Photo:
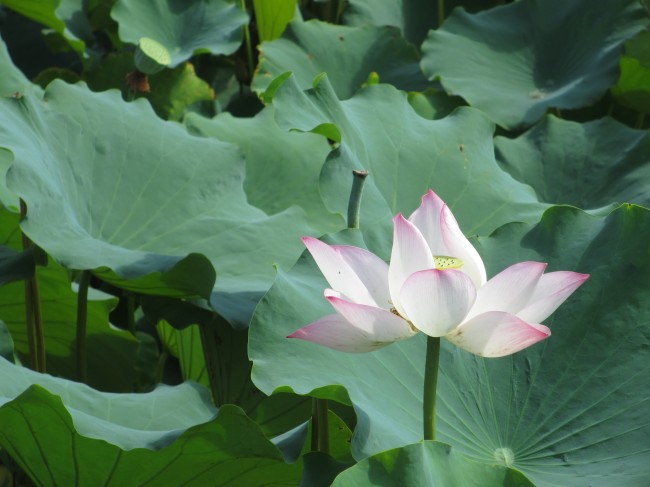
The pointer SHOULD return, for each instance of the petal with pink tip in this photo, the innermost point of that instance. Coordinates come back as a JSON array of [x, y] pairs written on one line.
[[510, 290], [437, 301], [338, 272], [377, 323], [410, 254], [552, 290], [370, 269], [334, 331], [441, 231], [496, 334]]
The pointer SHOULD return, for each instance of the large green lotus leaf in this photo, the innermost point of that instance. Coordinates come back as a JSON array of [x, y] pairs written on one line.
[[428, 464], [590, 165], [151, 420], [516, 61], [562, 411], [182, 27], [52, 448], [105, 344], [159, 197], [347, 54], [405, 154], [275, 159]]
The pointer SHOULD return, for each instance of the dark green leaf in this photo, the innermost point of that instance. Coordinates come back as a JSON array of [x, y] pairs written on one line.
[[592, 165], [516, 61], [228, 450]]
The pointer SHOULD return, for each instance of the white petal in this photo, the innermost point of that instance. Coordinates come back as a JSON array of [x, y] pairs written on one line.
[[551, 291], [370, 269], [378, 324], [510, 290], [335, 332], [338, 272], [441, 231], [495, 334], [437, 301], [410, 254]]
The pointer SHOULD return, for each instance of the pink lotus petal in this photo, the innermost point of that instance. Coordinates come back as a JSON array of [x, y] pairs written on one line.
[[333, 331], [496, 334], [370, 269], [443, 235], [437, 301], [552, 290], [410, 254], [338, 272], [378, 324], [510, 290]]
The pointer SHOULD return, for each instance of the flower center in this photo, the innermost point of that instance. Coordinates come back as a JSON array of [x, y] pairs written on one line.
[[445, 262]]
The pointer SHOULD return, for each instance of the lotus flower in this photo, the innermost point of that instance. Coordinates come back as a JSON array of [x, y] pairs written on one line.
[[435, 283]]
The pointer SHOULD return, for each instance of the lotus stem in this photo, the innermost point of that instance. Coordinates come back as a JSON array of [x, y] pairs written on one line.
[[33, 317], [82, 325], [430, 386], [249, 47], [441, 12], [354, 205], [210, 352]]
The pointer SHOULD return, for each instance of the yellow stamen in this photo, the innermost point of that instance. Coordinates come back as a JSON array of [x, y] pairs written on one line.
[[445, 262]]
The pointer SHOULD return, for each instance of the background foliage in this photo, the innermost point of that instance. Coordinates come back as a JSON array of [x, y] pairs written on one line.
[[178, 181]]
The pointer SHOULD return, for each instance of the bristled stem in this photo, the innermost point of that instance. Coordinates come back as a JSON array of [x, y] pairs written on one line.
[[33, 317], [430, 386]]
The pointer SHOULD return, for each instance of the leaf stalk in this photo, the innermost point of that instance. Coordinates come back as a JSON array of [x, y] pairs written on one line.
[[82, 325], [430, 386]]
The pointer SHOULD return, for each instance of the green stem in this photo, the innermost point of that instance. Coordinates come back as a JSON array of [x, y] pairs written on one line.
[[354, 205], [29, 325], [430, 385], [323, 438], [160, 368], [33, 317], [320, 426], [82, 325], [211, 355], [314, 425], [38, 323], [249, 47], [441, 12]]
